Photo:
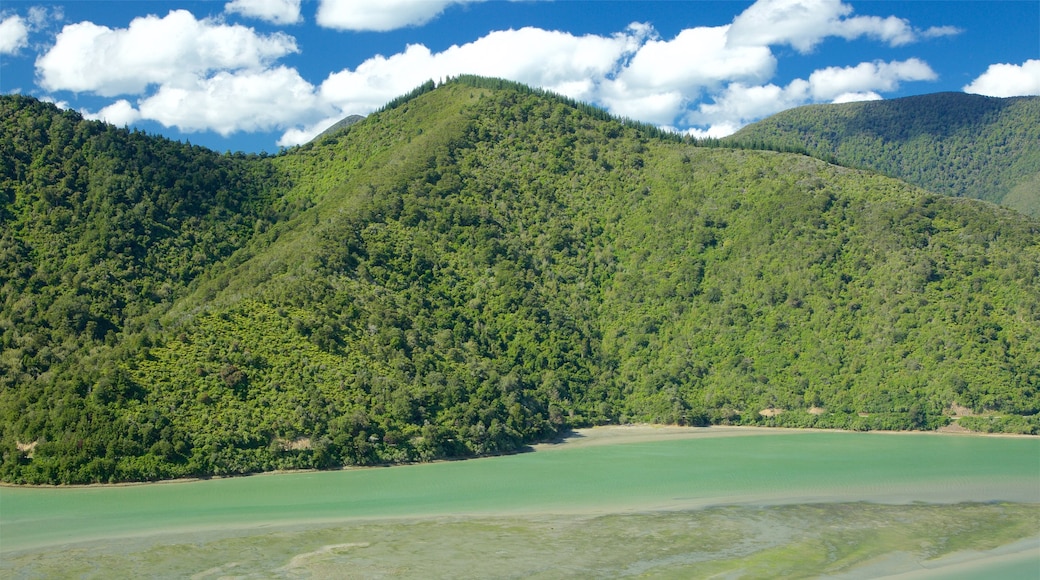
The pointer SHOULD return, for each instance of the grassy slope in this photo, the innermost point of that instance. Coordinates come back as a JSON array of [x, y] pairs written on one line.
[[477, 268], [950, 143]]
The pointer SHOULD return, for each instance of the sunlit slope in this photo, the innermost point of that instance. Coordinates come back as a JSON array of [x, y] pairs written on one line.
[[480, 266], [950, 143], [100, 228]]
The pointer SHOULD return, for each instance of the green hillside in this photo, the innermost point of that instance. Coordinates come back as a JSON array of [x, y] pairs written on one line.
[[474, 268], [950, 143]]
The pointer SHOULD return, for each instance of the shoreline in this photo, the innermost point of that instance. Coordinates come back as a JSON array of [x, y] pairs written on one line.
[[573, 438], [636, 432]]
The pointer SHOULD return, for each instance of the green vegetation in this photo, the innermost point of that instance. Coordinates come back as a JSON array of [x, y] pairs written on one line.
[[473, 268], [1002, 424], [950, 143]]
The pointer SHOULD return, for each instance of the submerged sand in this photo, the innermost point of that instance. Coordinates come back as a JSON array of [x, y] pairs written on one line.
[[847, 541]]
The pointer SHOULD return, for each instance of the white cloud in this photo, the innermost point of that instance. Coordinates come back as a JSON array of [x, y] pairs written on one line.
[[803, 24], [14, 34], [739, 104], [40, 17], [229, 102], [894, 31], [226, 103], [196, 75], [274, 11], [298, 135], [660, 107], [120, 113], [716, 131], [175, 49], [663, 75], [1008, 80], [856, 97], [15, 29], [697, 57], [940, 31], [380, 15], [799, 23], [830, 83]]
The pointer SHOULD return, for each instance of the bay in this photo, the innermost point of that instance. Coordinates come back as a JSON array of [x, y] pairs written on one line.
[[694, 471]]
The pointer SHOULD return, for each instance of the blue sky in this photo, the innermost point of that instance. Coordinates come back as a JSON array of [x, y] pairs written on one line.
[[257, 75]]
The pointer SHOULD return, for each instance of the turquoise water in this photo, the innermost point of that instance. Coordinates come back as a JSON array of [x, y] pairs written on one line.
[[769, 469]]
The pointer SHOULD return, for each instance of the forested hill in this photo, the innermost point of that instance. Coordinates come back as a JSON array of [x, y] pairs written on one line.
[[950, 143], [474, 268]]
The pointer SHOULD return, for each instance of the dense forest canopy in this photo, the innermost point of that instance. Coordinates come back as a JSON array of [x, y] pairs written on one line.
[[950, 143], [475, 267]]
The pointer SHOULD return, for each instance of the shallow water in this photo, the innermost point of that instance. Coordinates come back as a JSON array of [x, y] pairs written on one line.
[[568, 487]]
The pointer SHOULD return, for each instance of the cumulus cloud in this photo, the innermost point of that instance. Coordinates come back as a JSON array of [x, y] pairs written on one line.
[[739, 103], [857, 97], [716, 131], [226, 103], [120, 113], [14, 34], [1008, 80], [830, 83], [196, 75], [174, 49], [663, 75], [799, 23], [380, 15], [229, 102], [274, 11], [894, 31], [803, 24], [300, 135]]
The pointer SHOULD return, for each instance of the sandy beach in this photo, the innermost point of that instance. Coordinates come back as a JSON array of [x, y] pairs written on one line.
[[646, 433]]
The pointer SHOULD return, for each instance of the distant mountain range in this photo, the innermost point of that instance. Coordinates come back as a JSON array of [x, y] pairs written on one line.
[[476, 267], [950, 143]]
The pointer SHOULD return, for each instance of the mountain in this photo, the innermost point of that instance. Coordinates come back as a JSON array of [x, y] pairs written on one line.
[[950, 143], [339, 126], [476, 267]]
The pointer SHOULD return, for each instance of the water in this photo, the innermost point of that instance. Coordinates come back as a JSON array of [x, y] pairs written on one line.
[[567, 485]]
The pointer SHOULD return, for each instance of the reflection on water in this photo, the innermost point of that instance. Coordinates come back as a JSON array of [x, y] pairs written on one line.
[[642, 509]]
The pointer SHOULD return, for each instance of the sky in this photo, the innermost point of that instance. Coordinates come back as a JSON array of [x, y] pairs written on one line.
[[261, 75]]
